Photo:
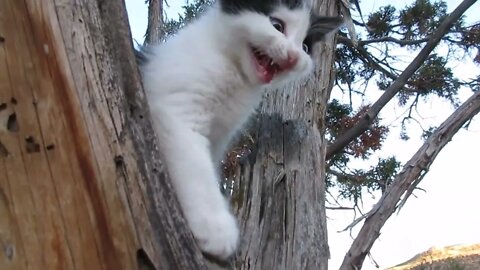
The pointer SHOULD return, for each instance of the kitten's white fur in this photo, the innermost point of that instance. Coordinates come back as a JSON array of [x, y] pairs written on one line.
[[201, 88]]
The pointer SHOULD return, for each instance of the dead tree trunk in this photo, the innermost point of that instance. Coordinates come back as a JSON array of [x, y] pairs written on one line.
[[80, 185], [280, 198]]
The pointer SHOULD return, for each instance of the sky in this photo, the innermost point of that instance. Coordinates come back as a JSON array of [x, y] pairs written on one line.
[[447, 213]]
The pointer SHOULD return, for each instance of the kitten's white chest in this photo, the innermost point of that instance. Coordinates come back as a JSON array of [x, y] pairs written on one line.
[[235, 106]]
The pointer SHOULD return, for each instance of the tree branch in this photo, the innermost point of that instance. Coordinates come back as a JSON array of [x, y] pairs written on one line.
[[406, 181], [346, 177], [347, 41], [374, 64], [339, 208], [370, 60], [399, 83]]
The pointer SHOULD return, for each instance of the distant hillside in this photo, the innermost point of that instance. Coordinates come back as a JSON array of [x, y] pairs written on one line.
[[458, 257]]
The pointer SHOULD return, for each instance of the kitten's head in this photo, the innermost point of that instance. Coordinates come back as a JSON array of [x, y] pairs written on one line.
[[273, 38]]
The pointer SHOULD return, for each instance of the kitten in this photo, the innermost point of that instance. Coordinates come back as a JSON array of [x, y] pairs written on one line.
[[204, 82]]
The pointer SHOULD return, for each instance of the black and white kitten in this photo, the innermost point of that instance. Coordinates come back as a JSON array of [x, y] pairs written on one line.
[[203, 84]]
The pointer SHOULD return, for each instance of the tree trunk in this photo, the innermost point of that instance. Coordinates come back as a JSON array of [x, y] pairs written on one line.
[[280, 197], [154, 32], [80, 183], [81, 186]]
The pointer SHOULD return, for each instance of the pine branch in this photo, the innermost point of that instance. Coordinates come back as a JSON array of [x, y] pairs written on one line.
[[399, 83]]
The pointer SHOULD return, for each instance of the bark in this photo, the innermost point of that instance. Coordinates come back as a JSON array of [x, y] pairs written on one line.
[[406, 181], [154, 32], [80, 182], [365, 122], [280, 188]]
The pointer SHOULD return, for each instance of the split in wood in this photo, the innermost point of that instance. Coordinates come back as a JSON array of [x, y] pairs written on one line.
[[144, 262]]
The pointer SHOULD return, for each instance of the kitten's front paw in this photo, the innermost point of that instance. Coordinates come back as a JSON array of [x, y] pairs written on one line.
[[216, 233]]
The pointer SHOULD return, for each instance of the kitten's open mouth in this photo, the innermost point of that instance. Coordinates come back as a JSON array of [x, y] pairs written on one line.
[[265, 67]]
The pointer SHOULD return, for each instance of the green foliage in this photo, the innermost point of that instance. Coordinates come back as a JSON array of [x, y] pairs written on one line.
[[341, 117], [351, 67], [335, 112], [410, 27], [190, 12], [471, 37], [386, 30], [351, 183], [422, 18], [454, 265], [434, 77], [380, 23]]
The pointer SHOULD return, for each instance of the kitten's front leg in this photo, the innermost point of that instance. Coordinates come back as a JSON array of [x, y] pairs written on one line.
[[189, 163]]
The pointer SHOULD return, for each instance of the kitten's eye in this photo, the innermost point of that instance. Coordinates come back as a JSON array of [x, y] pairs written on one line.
[[305, 47], [278, 24]]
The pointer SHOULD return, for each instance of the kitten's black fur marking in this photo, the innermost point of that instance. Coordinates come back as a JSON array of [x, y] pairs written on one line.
[[320, 26], [142, 55], [141, 58], [261, 6]]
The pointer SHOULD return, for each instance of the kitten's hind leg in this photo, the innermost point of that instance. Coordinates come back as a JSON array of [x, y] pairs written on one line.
[[189, 163]]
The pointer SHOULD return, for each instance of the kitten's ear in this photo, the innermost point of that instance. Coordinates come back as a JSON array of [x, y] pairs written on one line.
[[320, 26]]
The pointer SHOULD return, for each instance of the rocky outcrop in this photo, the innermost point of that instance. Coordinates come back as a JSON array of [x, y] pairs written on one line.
[[458, 257]]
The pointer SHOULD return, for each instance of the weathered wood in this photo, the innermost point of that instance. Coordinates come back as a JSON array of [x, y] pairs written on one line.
[[281, 190], [154, 33], [406, 181], [80, 182]]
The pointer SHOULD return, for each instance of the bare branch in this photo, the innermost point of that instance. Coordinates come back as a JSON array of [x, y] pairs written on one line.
[[400, 42], [339, 208], [405, 182], [399, 83], [374, 63], [343, 175]]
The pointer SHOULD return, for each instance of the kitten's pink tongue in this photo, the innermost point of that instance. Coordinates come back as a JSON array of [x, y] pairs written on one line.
[[264, 72]]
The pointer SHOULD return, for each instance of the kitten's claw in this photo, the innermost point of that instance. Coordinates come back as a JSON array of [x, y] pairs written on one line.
[[216, 233]]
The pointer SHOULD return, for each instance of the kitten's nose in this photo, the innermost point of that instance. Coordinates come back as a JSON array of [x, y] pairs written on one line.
[[291, 60]]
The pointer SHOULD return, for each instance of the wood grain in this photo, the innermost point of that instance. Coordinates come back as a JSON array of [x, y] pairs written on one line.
[[81, 186], [281, 187]]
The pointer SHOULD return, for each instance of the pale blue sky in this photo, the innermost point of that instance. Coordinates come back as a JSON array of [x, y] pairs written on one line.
[[448, 213]]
